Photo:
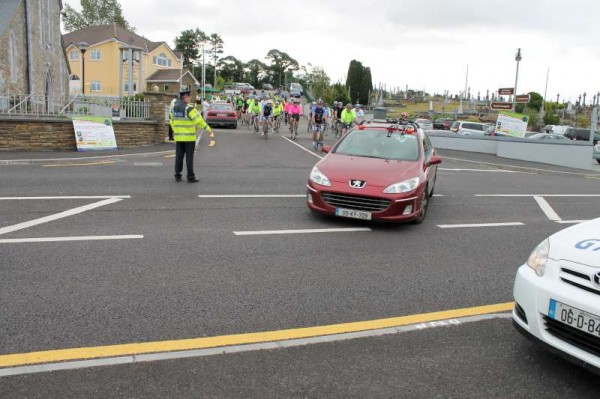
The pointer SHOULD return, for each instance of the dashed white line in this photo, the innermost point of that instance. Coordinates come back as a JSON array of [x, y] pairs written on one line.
[[571, 221], [67, 197], [301, 231], [537, 195], [46, 219], [479, 170], [464, 226], [547, 209], [65, 239]]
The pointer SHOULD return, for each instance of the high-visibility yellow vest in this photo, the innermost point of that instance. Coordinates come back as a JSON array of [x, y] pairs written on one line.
[[184, 119]]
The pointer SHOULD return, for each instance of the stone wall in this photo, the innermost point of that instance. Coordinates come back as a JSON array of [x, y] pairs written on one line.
[[57, 134]]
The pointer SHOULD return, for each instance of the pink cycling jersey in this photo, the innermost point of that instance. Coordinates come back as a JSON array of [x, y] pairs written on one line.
[[286, 107], [295, 109]]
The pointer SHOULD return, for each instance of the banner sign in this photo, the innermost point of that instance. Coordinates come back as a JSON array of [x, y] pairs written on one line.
[[94, 133], [512, 124]]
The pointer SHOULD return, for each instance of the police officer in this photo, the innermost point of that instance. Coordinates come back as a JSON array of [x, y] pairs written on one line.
[[183, 120]]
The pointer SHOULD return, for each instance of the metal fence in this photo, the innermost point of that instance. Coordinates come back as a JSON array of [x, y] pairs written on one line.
[[40, 106]]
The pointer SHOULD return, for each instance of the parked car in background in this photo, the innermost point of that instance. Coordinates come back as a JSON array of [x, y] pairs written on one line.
[[221, 114], [442, 123], [424, 124], [597, 153], [575, 133], [467, 128], [267, 86], [548, 137], [296, 88], [554, 129]]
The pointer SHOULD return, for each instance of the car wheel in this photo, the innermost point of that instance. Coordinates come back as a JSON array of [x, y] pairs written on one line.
[[235, 126], [424, 207], [598, 160]]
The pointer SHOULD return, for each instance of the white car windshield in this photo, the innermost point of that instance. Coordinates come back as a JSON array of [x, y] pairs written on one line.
[[376, 143]]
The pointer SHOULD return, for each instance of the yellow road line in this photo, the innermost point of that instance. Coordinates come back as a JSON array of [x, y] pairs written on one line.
[[169, 156], [59, 355], [592, 177], [79, 164]]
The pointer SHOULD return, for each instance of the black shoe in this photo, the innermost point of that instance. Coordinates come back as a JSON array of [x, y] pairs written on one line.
[[177, 179], [193, 180]]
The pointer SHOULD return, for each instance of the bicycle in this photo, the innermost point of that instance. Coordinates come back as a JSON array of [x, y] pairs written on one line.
[[277, 123], [336, 128], [294, 126], [254, 123], [320, 128], [265, 127]]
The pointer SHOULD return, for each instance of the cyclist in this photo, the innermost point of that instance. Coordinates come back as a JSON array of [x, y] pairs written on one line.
[[337, 115], [239, 103], [404, 117], [360, 114], [295, 111], [347, 117], [319, 117], [266, 115], [254, 111], [277, 110]]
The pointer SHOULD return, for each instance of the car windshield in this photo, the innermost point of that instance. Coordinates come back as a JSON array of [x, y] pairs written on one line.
[[378, 143], [221, 107]]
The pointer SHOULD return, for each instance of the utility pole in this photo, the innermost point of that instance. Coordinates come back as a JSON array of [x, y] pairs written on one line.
[[518, 59]]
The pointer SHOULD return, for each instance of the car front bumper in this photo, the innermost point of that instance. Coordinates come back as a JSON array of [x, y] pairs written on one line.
[[221, 122], [401, 208], [532, 301]]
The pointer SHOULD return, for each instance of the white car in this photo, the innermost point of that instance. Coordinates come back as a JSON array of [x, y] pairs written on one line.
[[424, 124], [557, 294]]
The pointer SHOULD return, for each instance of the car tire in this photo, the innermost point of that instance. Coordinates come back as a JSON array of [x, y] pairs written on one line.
[[433, 184], [424, 207], [235, 126], [598, 160]]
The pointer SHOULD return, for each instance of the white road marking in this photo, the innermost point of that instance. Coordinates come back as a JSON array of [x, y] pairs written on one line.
[[63, 239], [303, 231], [46, 219], [43, 160], [67, 197], [463, 226], [224, 350], [480, 170], [299, 146], [571, 221], [254, 196], [547, 209], [537, 195], [147, 164]]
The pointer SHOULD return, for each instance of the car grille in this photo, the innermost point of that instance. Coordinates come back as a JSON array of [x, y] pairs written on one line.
[[367, 204], [578, 279], [573, 336]]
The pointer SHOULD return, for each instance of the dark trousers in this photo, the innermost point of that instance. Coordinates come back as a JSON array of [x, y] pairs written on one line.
[[185, 149]]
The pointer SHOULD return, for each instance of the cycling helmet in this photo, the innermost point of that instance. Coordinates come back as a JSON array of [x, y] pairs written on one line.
[[348, 105], [404, 115]]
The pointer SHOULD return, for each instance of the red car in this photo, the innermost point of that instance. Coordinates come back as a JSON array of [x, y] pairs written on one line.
[[221, 114], [376, 172]]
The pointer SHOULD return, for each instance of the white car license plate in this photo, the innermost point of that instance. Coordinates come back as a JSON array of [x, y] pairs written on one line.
[[576, 318], [221, 114], [351, 213]]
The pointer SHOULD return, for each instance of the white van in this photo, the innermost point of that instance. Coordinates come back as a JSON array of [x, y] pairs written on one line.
[[296, 88]]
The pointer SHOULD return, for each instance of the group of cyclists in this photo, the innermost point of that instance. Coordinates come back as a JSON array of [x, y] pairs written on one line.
[[265, 114]]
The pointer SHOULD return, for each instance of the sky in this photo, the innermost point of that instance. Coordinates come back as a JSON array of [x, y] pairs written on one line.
[[425, 44]]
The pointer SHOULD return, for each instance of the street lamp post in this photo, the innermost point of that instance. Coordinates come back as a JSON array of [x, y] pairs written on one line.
[[518, 59], [82, 46]]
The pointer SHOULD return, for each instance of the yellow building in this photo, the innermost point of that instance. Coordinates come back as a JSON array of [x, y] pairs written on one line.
[[105, 52]]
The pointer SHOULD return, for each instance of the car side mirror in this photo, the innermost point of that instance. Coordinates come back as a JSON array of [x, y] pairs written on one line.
[[435, 160], [326, 149]]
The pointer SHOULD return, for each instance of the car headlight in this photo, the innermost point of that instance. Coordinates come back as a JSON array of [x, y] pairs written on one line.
[[539, 257], [316, 176], [403, 187]]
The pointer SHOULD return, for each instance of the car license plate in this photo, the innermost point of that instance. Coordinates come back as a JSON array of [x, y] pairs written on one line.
[[576, 318], [351, 213], [221, 114]]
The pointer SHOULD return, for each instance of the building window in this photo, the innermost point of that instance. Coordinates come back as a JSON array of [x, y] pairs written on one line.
[[74, 55], [45, 26], [95, 55], [95, 85], [126, 87], [12, 57], [166, 88], [161, 60]]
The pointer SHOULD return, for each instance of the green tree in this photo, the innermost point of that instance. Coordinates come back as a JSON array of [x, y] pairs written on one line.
[[216, 48], [94, 12], [318, 81], [231, 69], [535, 101], [255, 72], [281, 63], [359, 82], [189, 43], [340, 93]]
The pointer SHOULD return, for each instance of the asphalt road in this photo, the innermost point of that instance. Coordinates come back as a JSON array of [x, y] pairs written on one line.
[[182, 273]]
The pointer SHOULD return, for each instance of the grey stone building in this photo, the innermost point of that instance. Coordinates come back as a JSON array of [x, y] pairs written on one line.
[[32, 59]]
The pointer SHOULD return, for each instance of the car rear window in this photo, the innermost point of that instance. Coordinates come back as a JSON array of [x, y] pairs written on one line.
[[473, 126], [375, 143], [221, 107]]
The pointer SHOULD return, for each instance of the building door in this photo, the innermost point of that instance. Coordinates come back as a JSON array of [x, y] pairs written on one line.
[[48, 92]]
